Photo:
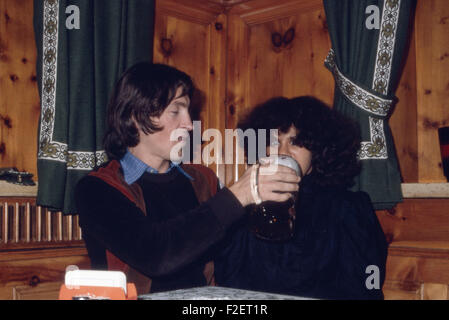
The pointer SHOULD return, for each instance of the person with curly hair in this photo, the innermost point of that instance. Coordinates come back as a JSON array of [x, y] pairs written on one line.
[[338, 250]]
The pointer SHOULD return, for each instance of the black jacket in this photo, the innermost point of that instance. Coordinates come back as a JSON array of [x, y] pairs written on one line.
[[337, 237]]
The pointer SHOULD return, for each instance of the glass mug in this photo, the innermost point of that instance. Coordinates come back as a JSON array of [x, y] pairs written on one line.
[[275, 221]]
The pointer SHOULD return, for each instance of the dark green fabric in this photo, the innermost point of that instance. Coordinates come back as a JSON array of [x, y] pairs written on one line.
[[356, 55], [76, 78]]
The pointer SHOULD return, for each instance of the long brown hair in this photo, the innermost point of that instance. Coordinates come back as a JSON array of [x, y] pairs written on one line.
[[143, 91]]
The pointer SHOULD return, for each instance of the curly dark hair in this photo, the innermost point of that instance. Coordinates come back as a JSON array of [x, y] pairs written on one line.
[[332, 138]]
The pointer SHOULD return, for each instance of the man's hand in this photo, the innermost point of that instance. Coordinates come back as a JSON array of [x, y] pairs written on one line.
[[275, 183]]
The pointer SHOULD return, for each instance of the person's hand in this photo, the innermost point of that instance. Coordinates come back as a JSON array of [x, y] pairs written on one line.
[[275, 183]]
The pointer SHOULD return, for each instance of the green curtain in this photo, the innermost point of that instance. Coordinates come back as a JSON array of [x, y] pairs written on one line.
[[78, 64], [366, 60]]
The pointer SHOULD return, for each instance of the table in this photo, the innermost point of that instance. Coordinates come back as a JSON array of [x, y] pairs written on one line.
[[217, 293]]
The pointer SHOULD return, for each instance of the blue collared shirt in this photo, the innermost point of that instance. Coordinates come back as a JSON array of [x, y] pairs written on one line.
[[134, 168]]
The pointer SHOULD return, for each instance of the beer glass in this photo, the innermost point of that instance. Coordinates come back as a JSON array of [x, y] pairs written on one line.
[[275, 221]]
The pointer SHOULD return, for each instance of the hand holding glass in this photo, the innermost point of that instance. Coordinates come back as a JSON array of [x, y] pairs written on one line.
[[272, 220]]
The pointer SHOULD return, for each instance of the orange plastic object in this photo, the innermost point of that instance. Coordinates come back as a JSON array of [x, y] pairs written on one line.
[[97, 293]]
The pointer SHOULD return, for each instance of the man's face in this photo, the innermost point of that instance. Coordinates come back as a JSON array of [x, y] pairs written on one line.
[[176, 122]]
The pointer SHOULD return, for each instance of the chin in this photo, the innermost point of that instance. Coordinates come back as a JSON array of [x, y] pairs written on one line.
[[177, 158], [177, 152]]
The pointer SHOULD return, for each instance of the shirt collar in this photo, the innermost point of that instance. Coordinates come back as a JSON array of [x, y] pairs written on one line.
[[134, 168]]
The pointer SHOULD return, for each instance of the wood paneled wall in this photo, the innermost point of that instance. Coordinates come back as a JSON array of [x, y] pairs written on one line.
[[432, 82], [275, 51], [403, 121], [423, 95], [193, 39], [19, 98], [230, 54], [257, 69]]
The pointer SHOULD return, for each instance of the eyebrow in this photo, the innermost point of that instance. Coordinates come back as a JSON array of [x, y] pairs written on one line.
[[180, 103]]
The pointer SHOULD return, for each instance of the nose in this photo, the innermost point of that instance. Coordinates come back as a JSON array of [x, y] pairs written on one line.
[[284, 149], [187, 123]]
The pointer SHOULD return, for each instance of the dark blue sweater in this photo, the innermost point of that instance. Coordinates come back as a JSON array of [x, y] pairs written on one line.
[[170, 242]]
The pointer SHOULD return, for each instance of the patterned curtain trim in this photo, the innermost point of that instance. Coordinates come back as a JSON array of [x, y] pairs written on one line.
[[360, 97], [48, 148], [385, 47], [376, 148]]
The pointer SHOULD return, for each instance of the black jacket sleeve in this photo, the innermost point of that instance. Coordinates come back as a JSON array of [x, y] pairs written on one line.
[[155, 249]]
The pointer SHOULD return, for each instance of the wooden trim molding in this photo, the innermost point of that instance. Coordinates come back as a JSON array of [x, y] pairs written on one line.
[[43, 250], [45, 291], [409, 190], [196, 12], [425, 190], [420, 249], [227, 3], [14, 190], [261, 11]]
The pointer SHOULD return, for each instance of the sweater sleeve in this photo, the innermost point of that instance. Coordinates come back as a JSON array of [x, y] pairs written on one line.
[[153, 248]]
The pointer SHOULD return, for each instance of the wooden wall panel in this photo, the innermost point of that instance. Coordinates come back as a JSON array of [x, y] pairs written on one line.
[[198, 47], [294, 69], [403, 121], [237, 95], [37, 274], [417, 269], [416, 220], [418, 254], [259, 69], [19, 99], [432, 66]]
